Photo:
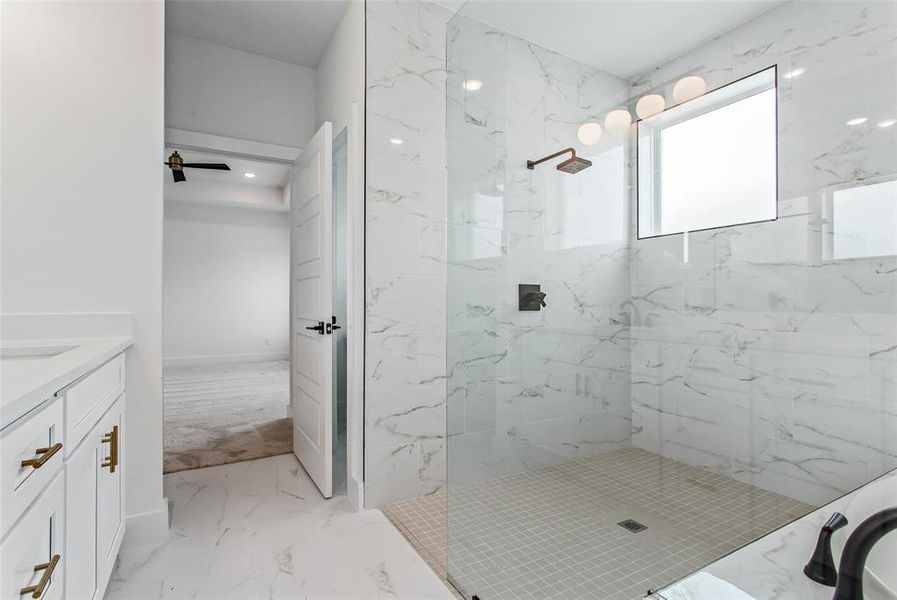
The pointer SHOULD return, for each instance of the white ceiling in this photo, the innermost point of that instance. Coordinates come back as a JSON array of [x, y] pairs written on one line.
[[623, 37], [295, 31]]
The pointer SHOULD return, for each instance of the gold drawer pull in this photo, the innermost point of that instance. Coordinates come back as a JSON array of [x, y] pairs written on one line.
[[45, 455], [37, 591], [111, 438]]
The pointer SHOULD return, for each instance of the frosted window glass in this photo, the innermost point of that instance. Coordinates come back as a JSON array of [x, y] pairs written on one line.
[[716, 168], [864, 221]]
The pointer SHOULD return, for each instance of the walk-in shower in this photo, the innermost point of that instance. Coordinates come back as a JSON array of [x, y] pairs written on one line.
[[717, 353]]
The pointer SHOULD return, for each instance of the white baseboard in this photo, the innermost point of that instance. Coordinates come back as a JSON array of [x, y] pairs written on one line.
[[146, 528], [212, 359]]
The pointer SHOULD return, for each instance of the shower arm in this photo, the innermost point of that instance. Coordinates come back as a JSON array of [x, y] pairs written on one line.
[[531, 164]]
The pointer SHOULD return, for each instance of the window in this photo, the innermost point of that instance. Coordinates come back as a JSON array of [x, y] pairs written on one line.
[[862, 220], [710, 162]]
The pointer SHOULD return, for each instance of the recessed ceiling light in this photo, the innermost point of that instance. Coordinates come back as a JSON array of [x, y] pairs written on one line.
[[857, 121], [395, 141], [794, 73], [472, 85], [886, 123], [248, 175]]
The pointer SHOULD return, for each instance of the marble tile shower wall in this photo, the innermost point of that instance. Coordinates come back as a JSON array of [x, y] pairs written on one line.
[[405, 251], [758, 356], [532, 389]]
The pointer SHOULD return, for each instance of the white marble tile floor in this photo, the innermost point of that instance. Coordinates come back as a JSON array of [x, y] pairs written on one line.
[[260, 529]]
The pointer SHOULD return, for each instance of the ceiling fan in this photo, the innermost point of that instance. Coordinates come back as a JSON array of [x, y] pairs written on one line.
[[177, 166]]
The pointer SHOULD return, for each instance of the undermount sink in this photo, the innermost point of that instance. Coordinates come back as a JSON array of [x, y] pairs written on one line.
[[33, 352]]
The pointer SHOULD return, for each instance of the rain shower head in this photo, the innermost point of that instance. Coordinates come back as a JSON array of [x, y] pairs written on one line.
[[572, 165]]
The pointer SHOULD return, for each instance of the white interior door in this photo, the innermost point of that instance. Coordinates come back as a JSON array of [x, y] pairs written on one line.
[[311, 308]]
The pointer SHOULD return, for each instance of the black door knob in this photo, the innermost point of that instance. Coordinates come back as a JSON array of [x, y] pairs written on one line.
[[319, 328]]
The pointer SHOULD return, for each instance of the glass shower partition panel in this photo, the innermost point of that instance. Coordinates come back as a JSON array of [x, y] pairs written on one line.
[[538, 314]]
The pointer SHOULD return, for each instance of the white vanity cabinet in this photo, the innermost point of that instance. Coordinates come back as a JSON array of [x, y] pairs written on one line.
[[32, 558], [110, 491], [63, 520], [94, 492]]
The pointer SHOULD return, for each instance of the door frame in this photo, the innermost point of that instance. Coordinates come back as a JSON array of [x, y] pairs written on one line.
[[355, 332]]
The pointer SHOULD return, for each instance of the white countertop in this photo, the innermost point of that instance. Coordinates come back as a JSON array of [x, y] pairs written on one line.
[[25, 383], [771, 568]]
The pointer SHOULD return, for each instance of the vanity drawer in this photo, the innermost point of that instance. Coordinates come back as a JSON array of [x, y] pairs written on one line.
[[31, 554], [88, 398], [38, 442]]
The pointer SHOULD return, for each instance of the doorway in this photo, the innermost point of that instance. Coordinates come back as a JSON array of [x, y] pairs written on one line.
[[226, 370], [254, 105]]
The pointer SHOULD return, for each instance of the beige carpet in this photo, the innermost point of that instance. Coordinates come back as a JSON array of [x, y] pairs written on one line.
[[225, 413]]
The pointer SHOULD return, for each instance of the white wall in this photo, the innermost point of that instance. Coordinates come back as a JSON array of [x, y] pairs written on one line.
[[82, 196], [226, 284], [340, 75], [219, 90], [340, 100]]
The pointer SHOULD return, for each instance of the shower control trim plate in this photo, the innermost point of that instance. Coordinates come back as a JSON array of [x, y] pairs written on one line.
[[530, 297]]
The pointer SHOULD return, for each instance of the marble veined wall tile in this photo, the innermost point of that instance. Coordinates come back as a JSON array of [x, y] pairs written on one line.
[[753, 352], [405, 250], [746, 349]]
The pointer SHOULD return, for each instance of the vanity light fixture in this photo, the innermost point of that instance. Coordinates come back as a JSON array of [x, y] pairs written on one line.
[[396, 141], [472, 85], [886, 123], [857, 121], [589, 133], [689, 88], [794, 73], [617, 122], [249, 175], [650, 105]]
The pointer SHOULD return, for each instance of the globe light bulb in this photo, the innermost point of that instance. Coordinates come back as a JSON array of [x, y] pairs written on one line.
[[650, 105], [617, 122], [689, 88], [589, 133]]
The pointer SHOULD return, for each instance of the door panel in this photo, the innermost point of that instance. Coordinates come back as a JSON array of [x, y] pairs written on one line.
[[308, 411], [28, 550], [307, 241], [308, 363], [81, 513], [109, 489], [308, 292], [311, 303]]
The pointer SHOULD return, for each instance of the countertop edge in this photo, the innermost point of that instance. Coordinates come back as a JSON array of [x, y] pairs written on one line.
[[43, 393]]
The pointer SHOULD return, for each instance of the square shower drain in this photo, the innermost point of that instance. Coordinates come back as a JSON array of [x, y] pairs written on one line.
[[632, 525]]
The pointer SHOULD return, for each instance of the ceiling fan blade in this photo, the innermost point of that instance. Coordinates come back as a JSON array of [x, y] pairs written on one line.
[[216, 166], [178, 175]]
